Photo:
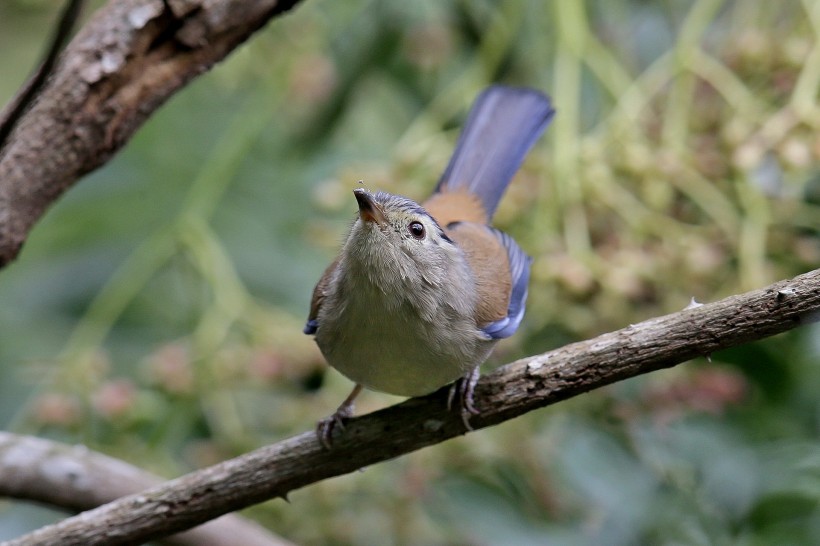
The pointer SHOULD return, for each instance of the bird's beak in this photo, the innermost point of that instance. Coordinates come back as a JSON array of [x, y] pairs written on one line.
[[369, 210]]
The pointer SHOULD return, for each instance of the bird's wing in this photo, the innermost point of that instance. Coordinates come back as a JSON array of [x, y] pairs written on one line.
[[318, 296], [501, 270]]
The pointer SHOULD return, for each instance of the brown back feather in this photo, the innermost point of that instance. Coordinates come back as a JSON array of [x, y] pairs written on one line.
[[491, 269], [455, 206]]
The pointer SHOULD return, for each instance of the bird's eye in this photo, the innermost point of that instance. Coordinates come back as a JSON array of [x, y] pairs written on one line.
[[416, 229]]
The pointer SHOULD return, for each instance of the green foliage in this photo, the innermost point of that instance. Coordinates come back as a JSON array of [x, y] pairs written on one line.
[[155, 313]]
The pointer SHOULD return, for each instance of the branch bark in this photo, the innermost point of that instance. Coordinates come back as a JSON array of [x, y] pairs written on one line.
[[76, 478], [124, 63], [14, 110], [509, 391]]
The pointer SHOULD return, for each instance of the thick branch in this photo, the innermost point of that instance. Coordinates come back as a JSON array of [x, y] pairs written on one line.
[[76, 478], [512, 390], [125, 62]]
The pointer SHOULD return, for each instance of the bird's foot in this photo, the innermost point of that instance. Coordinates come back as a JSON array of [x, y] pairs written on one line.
[[326, 426], [336, 421], [464, 388]]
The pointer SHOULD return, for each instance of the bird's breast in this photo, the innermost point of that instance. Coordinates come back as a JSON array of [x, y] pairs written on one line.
[[383, 338]]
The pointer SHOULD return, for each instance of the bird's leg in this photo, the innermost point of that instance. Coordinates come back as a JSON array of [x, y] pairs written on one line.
[[325, 427], [465, 387]]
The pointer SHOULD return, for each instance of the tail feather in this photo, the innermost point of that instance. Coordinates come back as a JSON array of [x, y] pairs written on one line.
[[503, 125]]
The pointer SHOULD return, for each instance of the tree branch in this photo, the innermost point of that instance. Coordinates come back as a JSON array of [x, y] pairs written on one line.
[[29, 91], [76, 478], [121, 66], [509, 391]]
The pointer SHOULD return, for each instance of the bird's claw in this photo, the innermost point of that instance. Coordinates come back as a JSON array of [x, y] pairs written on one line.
[[464, 388], [326, 426]]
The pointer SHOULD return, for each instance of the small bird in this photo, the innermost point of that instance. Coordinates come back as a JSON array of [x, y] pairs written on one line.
[[420, 294]]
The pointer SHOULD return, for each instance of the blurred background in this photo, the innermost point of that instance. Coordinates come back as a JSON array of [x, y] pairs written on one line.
[[155, 313]]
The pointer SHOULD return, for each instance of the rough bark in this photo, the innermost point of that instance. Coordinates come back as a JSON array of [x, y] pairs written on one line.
[[76, 478], [509, 391], [121, 66]]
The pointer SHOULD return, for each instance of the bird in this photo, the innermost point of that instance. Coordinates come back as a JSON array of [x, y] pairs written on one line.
[[419, 294]]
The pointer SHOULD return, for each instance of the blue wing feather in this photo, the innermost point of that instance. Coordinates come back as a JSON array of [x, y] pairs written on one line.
[[501, 128], [520, 277], [311, 326]]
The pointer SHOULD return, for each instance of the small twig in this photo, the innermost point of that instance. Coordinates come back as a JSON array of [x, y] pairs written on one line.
[[508, 392], [26, 95]]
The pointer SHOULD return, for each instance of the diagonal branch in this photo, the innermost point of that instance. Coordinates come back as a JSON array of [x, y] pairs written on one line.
[[508, 392], [122, 65]]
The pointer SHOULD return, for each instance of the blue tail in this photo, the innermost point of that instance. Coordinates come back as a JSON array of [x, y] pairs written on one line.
[[502, 126]]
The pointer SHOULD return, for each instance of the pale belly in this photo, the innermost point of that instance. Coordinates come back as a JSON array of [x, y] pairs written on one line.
[[395, 351]]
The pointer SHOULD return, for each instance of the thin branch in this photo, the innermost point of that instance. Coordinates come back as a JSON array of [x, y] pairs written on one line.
[[508, 392], [26, 95], [122, 65], [76, 478]]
